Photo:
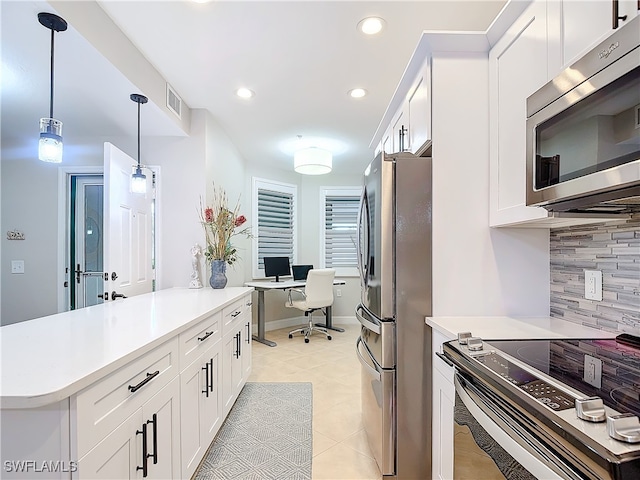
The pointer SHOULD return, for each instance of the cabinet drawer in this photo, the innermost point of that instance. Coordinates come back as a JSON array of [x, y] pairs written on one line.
[[232, 314], [101, 407], [199, 338]]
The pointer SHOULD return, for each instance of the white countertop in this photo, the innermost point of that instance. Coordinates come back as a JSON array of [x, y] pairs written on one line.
[[47, 359], [504, 328]]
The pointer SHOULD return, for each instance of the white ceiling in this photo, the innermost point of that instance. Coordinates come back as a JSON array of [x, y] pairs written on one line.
[[299, 57]]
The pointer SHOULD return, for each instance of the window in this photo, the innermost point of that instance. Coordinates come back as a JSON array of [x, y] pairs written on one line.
[[339, 229], [274, 205]]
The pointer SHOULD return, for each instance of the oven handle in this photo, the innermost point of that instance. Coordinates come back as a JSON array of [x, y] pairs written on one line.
[[370, 370], [375, 328], [470, 393]]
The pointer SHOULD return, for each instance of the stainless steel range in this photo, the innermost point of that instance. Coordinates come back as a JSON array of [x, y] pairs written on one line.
[[549, 408]]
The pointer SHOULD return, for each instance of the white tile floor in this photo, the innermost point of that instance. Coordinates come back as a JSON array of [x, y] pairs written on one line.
[[340, 449]]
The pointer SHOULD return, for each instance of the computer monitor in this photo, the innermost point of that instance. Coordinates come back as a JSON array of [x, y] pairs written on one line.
[[300, 272], [276, 267]]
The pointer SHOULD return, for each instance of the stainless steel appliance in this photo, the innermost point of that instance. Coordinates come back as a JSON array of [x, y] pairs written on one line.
[[583, 131], [394, 348], [548, 408]]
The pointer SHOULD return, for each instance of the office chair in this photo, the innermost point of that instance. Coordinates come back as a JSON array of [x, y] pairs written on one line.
[[318, 294]]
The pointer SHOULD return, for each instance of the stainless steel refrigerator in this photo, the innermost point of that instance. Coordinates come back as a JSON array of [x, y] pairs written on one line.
[[394, 347]]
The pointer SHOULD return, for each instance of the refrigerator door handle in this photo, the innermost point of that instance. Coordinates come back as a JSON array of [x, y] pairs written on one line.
[[375, 328], [371, 370], [359, 252]]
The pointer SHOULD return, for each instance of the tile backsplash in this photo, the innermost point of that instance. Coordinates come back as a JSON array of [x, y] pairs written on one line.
[[614, 249]]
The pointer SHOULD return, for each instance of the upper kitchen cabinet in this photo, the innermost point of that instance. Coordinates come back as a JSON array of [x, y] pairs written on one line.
[[406, 125], [521, 61], [575, 26], [517, 68]]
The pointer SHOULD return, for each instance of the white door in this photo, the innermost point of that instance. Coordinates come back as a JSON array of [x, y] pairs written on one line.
[[128, 227]]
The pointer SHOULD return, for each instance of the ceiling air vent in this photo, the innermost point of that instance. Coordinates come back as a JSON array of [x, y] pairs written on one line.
[[174, 102]]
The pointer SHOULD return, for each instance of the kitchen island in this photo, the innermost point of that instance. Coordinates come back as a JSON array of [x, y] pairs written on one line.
[[141, 383]]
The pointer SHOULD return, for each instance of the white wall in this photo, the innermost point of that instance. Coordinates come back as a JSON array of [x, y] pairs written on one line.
[[476, 270], [308, 230], [30, 204]]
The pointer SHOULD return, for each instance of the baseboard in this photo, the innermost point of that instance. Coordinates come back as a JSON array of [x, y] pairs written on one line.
[[300, 320]]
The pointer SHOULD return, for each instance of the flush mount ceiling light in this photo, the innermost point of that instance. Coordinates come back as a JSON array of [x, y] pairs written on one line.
[[312, 161], [244, 93], [50, 144], [357, 93], [371, 25], [138, 179]]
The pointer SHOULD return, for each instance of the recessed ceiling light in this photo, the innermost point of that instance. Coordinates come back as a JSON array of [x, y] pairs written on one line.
[[244, 93], [371, 25], [357, 92]]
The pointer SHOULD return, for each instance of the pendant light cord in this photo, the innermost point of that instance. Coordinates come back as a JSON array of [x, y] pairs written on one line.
[[51, 90], [138, 135]]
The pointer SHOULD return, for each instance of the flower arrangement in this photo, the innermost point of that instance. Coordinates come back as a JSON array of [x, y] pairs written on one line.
[[220, 224]]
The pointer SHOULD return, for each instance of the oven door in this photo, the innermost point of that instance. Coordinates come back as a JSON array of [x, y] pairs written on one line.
[[488, 439], [378, 415]]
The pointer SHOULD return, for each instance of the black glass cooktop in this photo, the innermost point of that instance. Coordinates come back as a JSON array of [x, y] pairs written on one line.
[[564, 360]]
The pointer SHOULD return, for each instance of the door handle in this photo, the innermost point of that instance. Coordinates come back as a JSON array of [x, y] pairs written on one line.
[[145, 455], [78, 272], [155, 439], [616, 14], [115, 295], [206, 379]]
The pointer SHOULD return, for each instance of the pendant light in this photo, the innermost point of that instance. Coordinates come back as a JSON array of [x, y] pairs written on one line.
[[50, 144], [138, 179]]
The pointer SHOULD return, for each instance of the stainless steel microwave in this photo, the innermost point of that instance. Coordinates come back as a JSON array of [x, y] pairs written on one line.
[[583, 131]]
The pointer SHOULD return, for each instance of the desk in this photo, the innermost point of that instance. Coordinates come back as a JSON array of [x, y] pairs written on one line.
[[264, 285]]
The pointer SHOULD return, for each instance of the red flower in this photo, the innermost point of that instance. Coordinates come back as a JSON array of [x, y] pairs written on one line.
[[208, 215], [240, 220]]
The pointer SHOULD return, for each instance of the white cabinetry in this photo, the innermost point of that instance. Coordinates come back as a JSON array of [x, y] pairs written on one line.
[[575, 26], [147, 443], [236, 350], [406, 125], [201, 407], [517, 68], [443, 405], [543, 40]]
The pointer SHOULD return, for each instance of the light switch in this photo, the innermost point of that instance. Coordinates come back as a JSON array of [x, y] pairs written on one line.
[[593, 285], [17, 266]]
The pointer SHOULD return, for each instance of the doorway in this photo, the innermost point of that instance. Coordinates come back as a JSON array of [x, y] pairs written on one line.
[[86, 239]]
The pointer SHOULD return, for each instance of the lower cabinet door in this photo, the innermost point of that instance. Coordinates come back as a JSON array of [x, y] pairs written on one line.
[[162, 416], [211, 406], [119, 455], [231, 368], [245, 356], [443, 405], [200, 407]]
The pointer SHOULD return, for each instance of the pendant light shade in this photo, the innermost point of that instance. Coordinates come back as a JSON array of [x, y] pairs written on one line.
[[138, 179], [50, 144], [312, 161]]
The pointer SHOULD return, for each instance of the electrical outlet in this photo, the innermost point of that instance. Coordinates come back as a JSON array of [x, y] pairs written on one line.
[[17, 266], [338, 292], [593, 285], [593, 371]]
